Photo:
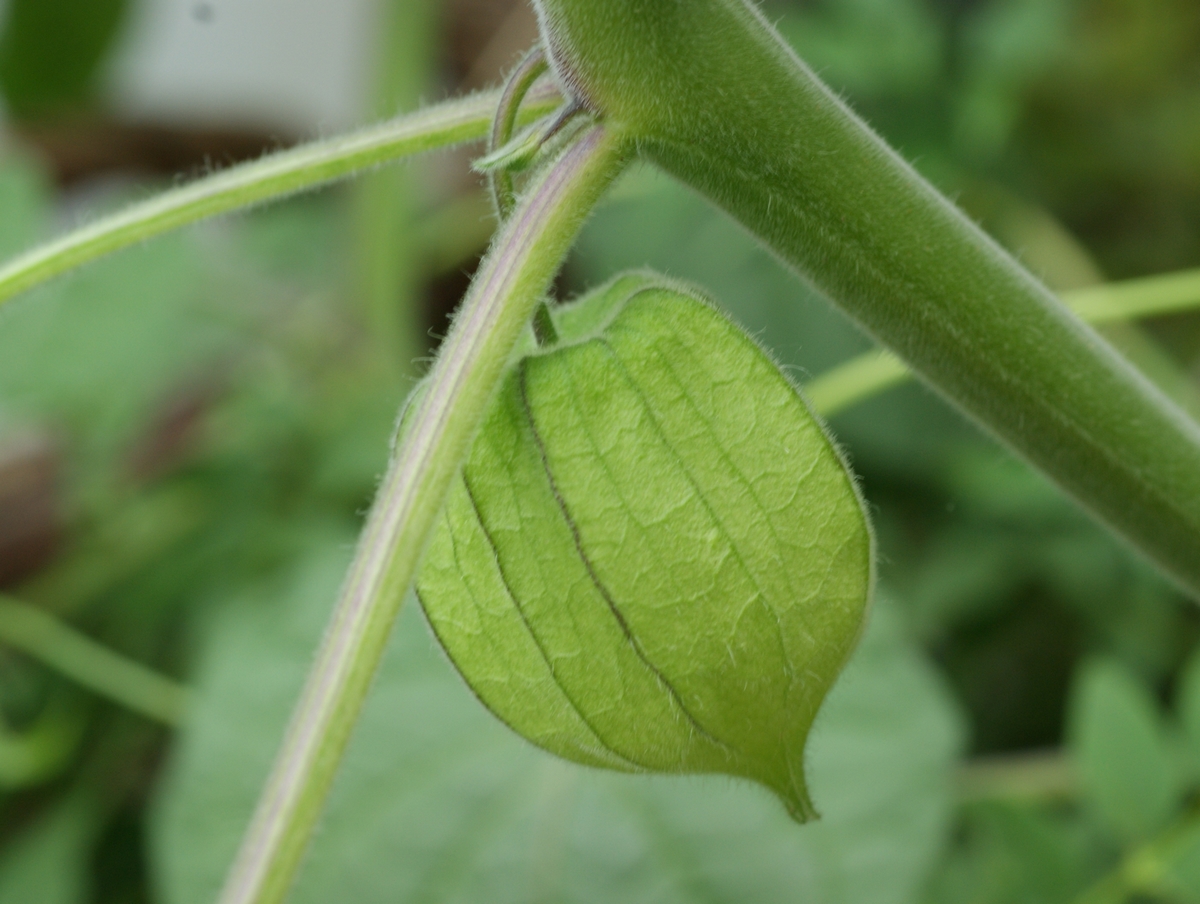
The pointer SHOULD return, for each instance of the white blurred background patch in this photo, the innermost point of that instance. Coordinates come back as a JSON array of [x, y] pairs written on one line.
[[299, 66]]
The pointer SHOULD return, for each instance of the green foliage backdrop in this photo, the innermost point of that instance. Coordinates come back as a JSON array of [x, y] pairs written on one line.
[[1021, 722]]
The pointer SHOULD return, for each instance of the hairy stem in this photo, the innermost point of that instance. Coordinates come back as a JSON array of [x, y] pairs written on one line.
[[274, 176], [89, 664], [498, 307], [860, 378]]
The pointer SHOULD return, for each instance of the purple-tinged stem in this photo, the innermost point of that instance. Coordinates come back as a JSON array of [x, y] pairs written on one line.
[[510, 282]]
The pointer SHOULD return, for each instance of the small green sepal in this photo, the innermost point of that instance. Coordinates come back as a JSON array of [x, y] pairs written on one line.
[[517, 154], [523, 151]]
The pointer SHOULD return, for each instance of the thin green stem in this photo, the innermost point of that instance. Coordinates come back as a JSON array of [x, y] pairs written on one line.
[[1144, 297], [1040, 775], [388, 256], [855, 381], [274, 176], [860, 378], [89, 664], [510, 282]]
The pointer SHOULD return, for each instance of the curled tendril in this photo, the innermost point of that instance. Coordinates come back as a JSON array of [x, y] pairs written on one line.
[[506, 154], [500, 180]]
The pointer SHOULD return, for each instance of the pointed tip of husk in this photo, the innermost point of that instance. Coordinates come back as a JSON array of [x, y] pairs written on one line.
[[798, 804]]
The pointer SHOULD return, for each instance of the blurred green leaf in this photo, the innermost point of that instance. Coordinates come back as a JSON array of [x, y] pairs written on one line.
[[869, 47], [43, 749], [48, 862], [25, 201], [51, 50], [1188, 710], [299, 243], [96, 352], [1121, 750], [438, 801], [1006, 46], [1011, 852], [1180, 865]]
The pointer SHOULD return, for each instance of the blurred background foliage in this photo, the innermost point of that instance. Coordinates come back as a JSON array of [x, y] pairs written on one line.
[[191, 431]]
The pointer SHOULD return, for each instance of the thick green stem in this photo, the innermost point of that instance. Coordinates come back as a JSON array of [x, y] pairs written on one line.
[[510, 283], [860, 378], [712, 94], [272, 177]]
